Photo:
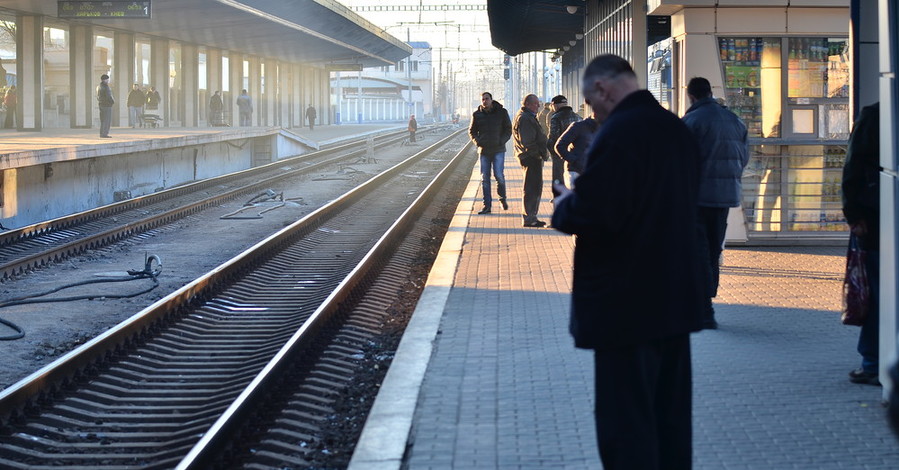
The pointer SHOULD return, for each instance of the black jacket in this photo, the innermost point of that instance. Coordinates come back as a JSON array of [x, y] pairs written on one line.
[[558, 123], [572, 145], [637, 275], [861, 176], [490, 130], [104, 96]]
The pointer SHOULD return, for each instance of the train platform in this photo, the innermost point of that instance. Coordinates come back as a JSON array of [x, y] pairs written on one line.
[[487, 377], [24, 148]]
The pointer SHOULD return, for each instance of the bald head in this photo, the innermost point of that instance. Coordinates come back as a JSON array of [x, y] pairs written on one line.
[[531, 103], [608, 79]]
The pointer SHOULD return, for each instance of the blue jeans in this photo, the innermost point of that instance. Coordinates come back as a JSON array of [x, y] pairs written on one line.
[[497, 162], [869, 336]]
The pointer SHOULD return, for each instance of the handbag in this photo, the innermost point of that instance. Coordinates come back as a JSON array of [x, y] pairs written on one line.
[[856, 291]]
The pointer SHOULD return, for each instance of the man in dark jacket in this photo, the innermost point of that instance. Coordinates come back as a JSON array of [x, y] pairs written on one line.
[[490, 129], [861, 206], [105, 101], [722, 141], [562, 117], [531, 151], [572, 145], [136, 101], [638, 286], [216, 107], [310, 116]]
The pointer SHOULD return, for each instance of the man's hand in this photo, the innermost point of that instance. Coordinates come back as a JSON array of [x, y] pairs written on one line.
[[859, 229]]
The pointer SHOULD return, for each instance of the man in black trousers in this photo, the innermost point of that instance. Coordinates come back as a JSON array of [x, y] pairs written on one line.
[[638, 281]]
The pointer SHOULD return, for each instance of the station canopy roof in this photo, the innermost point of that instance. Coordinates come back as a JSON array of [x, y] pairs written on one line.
[[319, 32], [519, 26]]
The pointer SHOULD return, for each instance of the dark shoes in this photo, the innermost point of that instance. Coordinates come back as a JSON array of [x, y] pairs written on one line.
[[504, 203], [859, 376], [709, 324], [538, 223], [485, 210]]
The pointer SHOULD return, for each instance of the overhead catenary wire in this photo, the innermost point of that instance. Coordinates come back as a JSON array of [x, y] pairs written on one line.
[[151, 271]]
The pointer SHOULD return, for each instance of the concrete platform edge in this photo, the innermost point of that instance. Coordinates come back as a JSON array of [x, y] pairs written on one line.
[[382, 444]]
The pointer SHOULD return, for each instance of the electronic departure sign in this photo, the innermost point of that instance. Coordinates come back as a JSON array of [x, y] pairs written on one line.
[[103, 9]]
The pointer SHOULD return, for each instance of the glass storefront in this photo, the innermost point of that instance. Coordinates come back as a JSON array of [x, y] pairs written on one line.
[[793, 95]]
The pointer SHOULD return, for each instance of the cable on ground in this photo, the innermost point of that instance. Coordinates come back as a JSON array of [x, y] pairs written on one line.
[[150, 271]]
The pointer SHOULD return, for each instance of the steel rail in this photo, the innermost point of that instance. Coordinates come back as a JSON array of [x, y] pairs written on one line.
[[49, 379], [113, 234], [210, 447]]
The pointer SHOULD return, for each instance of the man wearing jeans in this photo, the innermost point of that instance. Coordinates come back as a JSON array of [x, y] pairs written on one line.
[[490, 129]]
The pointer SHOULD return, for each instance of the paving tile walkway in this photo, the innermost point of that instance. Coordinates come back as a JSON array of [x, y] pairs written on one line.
[[504, 387]]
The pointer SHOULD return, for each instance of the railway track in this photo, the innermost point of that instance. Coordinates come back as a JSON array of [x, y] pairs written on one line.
[[34, 246], [182, 383]]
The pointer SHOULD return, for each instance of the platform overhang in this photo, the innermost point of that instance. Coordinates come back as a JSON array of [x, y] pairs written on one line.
[[519, 26], [302, 31]]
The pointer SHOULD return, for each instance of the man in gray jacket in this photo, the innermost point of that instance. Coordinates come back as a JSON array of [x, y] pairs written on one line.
[[531, 151], [724, 155]]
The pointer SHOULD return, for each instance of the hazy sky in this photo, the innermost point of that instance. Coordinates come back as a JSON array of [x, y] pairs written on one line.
[[462, 34]]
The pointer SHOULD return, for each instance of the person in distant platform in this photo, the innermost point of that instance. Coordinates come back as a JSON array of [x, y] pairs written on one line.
[[562, 117], [105, 101], [310, 117], [572, 145], [413, 127], [216, 107], [544, 115], [723, 144], [531, 151], [638, 284], [136, 101], [245, 108], [11, 103], [861, 206], [153, 99], [490, 129]]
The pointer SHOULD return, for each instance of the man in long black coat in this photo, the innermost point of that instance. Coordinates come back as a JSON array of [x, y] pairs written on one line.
[[638, 283]]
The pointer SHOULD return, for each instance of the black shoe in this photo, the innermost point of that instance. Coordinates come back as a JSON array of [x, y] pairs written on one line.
[[538, 223], [105, 136], [859, 376], [485, 210], [504, 203], [709, 324]]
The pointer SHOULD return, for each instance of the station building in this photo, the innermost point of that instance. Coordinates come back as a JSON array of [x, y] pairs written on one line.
[[796, 71], [280, 52]]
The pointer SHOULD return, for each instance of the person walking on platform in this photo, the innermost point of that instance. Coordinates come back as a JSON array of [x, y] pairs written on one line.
[[490, 128], [11, 103], [153, 99], [105, 101], [245, 108], [861, 206], [216, 108], [543, 117], [136, 100], [310, 116], [572, 145], [413, 127], [724, 154], [531, 151], [562, 117], [638, 282]]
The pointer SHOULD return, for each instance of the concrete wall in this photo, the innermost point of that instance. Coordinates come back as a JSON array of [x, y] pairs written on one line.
[[42, 192]]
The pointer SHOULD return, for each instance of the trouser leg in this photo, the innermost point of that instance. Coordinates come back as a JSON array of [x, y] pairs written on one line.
[[869, 336], [499, 173], [533, 189], [486, 163], [644, 405], [558, 169]]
